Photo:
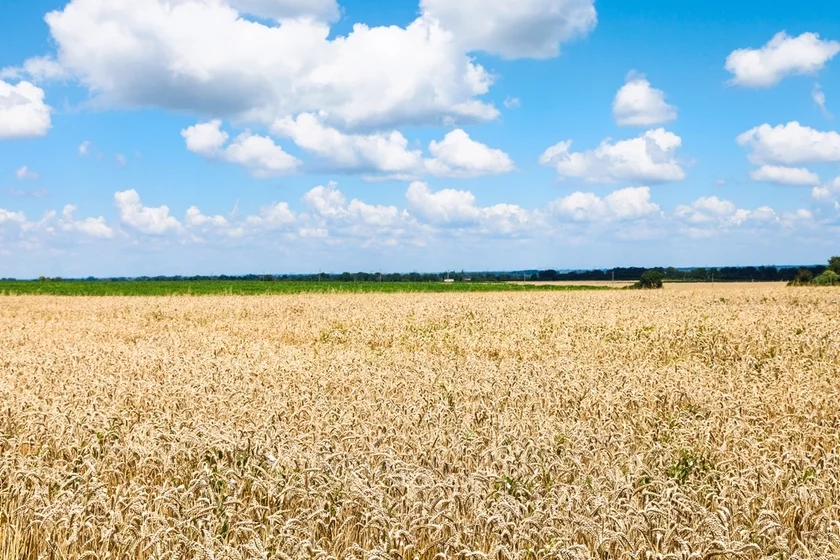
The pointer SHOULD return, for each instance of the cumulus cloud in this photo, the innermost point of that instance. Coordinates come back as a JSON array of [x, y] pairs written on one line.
[[790, 144], [7, 216], [512, 103], [458, 155], [332, 216], [52, 222], [195, 220], [92, 227], [203, 58], [782, 56], [795, 176], [328, 202], [378, 152], [330, 219], [526, 29], [458, 208], [710, 215], [274, 216], [259, 154], [649, 158], [388, 153], [447, 206], [23, 173], [23, 113], [637, 103], [828, 193], [145, 219], [624, 204]]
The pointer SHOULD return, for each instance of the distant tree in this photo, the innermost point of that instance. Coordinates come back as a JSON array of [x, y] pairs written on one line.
[[650, 280], [803, 277], [827, 278], [834, 265]]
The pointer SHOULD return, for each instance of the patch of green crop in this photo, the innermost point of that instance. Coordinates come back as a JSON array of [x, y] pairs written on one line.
[[244, 287]]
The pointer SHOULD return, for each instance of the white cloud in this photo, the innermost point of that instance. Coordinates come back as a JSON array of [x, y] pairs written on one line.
[[121, 160], [328, 202], [13, 217], [714, 206], [259, 154], [444, 206], [710, 215], [332, 216], [85, 147], [23, 113], [624, 204], [38, 68], [25, 174], [274, 216], [650, 158], [201, 57], [782, 56], [325, 10], [51, 222], [512, 103], [797, 218], [379, 152], [818, 96], [829, 192], [458, 155], [524, 29], [639, 104], [195, 218], [332, 220], [205, 139], [145, 219], [790, 144], [452, 208], [93, 227], [796, 176]]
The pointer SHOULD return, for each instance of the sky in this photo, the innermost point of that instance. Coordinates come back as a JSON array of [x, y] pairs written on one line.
[[147, 137]]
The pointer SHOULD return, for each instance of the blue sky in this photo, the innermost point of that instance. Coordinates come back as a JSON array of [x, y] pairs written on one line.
[[232, 136]]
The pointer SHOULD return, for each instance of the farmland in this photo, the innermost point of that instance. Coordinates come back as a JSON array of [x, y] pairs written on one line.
[[694, 422], [242, 287]]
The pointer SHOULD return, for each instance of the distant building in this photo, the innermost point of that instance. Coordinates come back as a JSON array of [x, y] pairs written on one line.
[[449, 281]]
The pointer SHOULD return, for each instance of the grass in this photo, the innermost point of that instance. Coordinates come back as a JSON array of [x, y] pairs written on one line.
[[239, 287], [655, 425]]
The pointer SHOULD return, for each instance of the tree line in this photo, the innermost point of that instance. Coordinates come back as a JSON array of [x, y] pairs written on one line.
[[830, 276], [802, 275]]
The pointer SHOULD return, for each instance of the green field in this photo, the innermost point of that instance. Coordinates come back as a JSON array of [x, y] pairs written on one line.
[[240, 287]]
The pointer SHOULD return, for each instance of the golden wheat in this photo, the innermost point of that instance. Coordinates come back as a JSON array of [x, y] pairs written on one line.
[[689, 423]]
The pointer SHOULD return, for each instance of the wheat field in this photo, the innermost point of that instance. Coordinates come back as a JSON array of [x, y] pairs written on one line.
[[694, 422]]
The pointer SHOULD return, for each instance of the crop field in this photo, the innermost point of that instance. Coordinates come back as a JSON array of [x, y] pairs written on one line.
[[697, 422], [246, 287]]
